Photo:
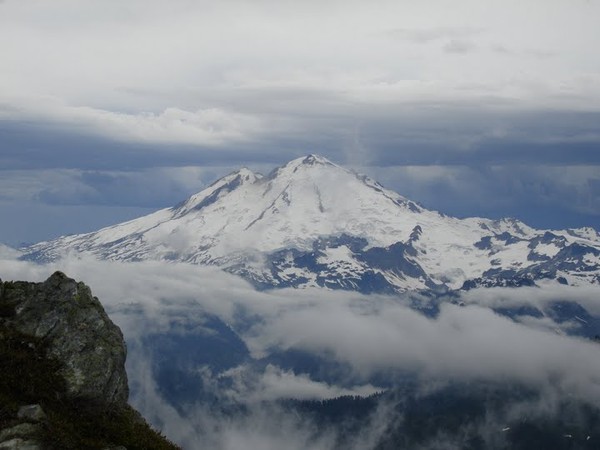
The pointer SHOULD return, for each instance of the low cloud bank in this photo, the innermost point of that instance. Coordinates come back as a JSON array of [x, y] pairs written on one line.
[[367, 335]]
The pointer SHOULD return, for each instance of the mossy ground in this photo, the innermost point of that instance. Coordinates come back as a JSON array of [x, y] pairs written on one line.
[[29, 376]]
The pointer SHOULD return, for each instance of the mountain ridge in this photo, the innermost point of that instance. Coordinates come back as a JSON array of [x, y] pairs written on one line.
[[311, 222]]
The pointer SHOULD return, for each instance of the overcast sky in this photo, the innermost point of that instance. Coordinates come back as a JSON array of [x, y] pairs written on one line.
[[111, 109]]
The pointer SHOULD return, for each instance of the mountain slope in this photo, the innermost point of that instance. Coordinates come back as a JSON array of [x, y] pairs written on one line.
[[313, 223]]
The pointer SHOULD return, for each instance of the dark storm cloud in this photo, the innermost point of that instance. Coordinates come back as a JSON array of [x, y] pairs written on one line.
[[543, 196], [44, 146], [459, 161], [401, 136], [150, 188], [141, 86], [468, 136], [489, 152]]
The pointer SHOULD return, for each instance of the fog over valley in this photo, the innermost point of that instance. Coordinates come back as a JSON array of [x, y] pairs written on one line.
[[368, 344]]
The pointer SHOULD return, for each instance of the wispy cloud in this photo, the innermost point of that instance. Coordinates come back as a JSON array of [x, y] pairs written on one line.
[[427, 35], [459, 46], [372, 334]]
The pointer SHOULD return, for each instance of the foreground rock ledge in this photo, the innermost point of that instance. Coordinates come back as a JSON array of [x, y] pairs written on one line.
[[62, 372], [78, 331]]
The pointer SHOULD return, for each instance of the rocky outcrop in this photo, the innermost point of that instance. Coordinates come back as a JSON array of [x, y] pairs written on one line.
[[62, 372], [25, 435], [77, 332]]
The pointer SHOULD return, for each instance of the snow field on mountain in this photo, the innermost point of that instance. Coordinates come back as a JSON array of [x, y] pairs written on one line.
[[242, 219]]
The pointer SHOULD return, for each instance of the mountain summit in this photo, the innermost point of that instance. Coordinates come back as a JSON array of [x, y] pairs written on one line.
[[314, 223]]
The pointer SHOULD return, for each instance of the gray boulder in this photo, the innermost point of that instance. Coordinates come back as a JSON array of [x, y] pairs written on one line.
[[79, 333]]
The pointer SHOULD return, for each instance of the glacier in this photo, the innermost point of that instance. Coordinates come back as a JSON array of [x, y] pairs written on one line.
[[313, 223]]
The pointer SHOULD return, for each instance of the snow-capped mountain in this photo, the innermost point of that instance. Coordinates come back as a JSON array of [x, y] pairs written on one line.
[[314, 223]]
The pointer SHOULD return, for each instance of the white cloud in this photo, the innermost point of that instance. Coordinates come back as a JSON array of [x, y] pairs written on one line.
[[197, 67], [275, 384], [201, 127], [369, 333], [539, 298], [460, 46], [426, 35], [466, 343], [7, 253]]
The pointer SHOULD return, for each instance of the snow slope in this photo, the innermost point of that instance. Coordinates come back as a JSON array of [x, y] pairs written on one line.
[[311, 222]]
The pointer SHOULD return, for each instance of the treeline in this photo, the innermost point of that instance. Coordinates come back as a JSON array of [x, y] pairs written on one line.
[[459, 415]]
